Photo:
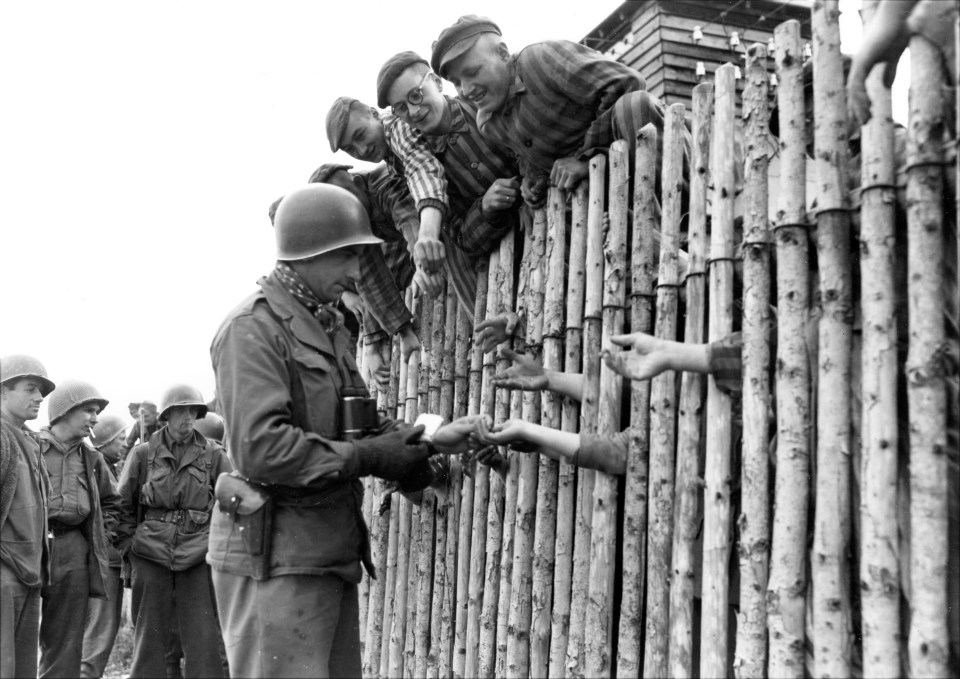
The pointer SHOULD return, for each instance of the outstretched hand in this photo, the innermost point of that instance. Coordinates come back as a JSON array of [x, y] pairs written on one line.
[[525, 374], [645, 357], [495, 330]]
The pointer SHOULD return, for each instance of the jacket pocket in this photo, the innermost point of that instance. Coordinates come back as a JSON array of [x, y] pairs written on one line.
[[153, 540]]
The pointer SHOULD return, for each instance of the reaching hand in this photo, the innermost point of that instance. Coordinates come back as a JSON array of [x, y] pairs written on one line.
[[502, 434], [646, 357], [429, 283], [495, 330], [409, 342], [428, 254], [534, 191], [501, 195], [353, 303], [525, 374], [375, 367], [452, 437], [568, 172]]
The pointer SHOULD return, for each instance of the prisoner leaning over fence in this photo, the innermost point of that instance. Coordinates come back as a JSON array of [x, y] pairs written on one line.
[[166, 493], [103, 615], [482, 177], [23, 514], [81, 513], [288, 537], [386, 269]]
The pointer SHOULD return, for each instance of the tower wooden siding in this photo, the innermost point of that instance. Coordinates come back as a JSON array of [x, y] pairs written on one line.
[[661, 45]]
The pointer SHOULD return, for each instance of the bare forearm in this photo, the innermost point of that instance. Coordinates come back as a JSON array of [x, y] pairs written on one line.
[[430, 220], [555, 444], [566, 384]]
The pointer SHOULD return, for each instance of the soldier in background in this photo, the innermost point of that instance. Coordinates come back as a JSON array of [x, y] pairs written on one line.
[[166, 492], [148, 410], [81, 512], [103, 615], [23, 514]]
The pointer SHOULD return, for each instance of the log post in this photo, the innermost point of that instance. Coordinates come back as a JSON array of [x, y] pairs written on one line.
[[589, 411], [832, 619], [521, 587], [603, 535], [926, 385], [470, 560], [716, 493], [550, 415], [663, 418], [508, 516], [688, 485], [788, 579], [494, 506], [754, 519], [569, 421], [643, 271], [879, 562]]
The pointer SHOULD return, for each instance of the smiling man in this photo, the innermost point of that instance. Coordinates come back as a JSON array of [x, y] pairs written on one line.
[[80, 485], [556, 103], [23, 513]]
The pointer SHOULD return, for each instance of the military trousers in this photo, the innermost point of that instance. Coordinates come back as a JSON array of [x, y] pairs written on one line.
[[19, 626], [184, 599], [64, 606], [103, 623], [289, 625]]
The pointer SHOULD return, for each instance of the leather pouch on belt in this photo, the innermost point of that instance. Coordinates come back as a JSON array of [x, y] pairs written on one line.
[[251, 509]]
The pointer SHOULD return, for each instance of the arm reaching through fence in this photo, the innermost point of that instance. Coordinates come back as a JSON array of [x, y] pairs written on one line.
[[528, 375]]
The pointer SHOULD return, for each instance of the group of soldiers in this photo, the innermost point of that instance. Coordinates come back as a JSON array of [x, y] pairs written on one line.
[[249, 563]]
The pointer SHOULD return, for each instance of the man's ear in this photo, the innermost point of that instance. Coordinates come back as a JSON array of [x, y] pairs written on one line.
[[375, 113], [503, 51]]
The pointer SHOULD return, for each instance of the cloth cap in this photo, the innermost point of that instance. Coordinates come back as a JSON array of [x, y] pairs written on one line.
[[391, 70], [456, 39], [322, 173], [337, 118]]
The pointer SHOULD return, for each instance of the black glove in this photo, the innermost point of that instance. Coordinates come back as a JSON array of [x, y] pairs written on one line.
[[394, 456]]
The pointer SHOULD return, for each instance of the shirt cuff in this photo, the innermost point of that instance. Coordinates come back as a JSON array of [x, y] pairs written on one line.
[[432, 202]]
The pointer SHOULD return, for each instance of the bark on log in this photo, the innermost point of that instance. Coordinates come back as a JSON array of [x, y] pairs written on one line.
[[603, 535], [926, 386], [592, 317], [754, 520], [663, 422], [570, 422], [688, 485], [787, 585]]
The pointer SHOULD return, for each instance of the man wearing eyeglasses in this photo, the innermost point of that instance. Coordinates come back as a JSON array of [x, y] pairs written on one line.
[[481, 177]]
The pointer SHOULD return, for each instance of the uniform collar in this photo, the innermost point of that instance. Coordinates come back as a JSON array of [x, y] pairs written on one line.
[[193, 446], [438, 143], [304, 325]]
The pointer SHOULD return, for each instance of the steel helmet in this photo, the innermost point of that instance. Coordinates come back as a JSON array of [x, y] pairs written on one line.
[[107, 429], [72, 394], [182, 395], [20, 365], [318, 218], [211, 426]]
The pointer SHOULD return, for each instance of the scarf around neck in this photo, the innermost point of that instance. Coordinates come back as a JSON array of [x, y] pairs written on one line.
[[330, 318]]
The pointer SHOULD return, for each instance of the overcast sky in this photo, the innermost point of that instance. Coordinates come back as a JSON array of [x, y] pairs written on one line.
[[141, 144]]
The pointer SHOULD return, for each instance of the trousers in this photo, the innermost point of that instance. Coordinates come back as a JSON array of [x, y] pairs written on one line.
[[64, 606], [19, 626], [289, 625], [162, 598], [103, 623]]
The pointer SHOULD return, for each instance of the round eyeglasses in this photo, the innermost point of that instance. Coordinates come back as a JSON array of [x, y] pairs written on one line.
[[414, 98]]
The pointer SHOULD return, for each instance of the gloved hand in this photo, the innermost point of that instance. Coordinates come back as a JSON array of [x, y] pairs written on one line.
[[394, 456]]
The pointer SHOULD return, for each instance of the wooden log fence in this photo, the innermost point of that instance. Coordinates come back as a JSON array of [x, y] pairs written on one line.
[[789, 488]]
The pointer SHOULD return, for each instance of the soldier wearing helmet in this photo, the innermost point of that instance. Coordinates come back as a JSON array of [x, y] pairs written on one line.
[[23, 513], [301, 433], [103, 616], [147, 410], [166, 497], [211, 427], [83, 500]]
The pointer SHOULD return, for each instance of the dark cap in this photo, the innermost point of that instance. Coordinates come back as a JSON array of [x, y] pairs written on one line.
[[391, 70], [456, 39], [322, 173], [337, 118]]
